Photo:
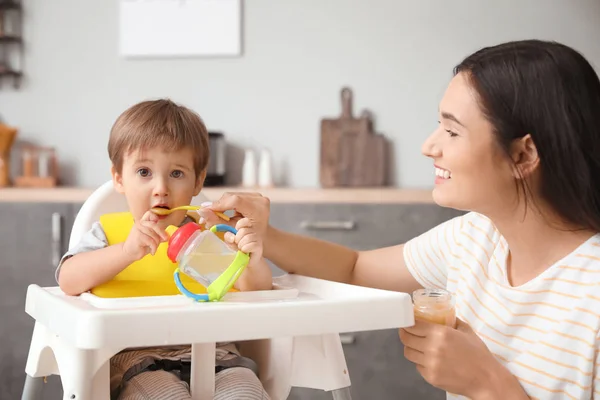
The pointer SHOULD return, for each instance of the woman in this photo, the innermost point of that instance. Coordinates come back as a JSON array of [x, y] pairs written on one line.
[[518, 145]]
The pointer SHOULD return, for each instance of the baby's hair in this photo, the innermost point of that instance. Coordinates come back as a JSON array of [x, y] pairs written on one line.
[[158, 123]]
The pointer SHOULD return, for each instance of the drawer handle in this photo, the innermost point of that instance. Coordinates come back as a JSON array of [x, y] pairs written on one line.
[[346, 338], [328, 225], [56, 238]]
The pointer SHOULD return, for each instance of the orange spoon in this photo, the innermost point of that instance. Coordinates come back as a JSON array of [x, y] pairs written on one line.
[[165, 211]]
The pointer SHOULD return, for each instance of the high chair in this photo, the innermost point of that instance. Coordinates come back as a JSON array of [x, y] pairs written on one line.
[[294, 341]]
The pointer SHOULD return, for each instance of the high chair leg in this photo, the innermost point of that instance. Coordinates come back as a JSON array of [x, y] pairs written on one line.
[[320, 356], [341, 394], [85, 373], [32, 390], [86, 376]]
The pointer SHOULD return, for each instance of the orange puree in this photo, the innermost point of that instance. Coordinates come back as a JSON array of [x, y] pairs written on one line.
[[434, 305]]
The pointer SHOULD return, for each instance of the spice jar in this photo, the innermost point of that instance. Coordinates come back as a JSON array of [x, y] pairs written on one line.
[[7, 138], [28, 161], [435, 305]]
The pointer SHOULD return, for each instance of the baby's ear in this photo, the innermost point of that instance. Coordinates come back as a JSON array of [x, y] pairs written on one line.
[[117, 179], [199, 182]]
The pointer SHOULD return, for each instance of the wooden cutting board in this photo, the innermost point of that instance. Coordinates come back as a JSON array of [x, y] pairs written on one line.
[[332, 130], [351, 154], [362, 159]]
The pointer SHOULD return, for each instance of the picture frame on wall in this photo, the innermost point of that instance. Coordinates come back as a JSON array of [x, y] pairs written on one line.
[[180, 28]]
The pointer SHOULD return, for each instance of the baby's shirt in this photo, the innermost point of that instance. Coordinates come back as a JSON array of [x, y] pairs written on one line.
[[94, 239]]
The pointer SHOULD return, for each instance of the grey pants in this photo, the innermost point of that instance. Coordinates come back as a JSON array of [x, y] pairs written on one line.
[[232, 383]]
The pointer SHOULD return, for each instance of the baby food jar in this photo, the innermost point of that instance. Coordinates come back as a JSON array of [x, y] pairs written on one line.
[[435, 305]]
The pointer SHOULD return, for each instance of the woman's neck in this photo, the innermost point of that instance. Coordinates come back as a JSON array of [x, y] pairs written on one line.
[[536, 240]]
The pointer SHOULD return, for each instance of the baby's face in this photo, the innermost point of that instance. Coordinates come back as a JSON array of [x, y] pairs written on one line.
[[158, 178]]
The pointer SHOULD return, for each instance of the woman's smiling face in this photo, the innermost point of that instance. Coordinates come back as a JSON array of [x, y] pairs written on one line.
[[471, 170]]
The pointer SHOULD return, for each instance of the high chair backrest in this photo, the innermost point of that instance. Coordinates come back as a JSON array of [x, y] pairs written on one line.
[[104, 200]]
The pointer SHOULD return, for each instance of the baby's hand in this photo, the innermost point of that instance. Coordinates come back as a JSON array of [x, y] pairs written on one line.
[[144, 238], [248, 239]]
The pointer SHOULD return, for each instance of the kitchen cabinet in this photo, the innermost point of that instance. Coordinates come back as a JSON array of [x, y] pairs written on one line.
[[33, 237], [375, 359], [360, 226]]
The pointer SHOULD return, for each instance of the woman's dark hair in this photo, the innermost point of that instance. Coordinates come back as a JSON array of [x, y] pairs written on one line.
[[550, 91]]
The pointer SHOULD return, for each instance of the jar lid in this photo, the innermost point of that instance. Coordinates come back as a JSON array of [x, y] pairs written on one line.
[[437, 298], [179, 238]]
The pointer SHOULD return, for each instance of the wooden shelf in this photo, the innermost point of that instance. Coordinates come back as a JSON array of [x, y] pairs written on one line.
[[9, 5], [10, 39], [15, 75], [11, 73]]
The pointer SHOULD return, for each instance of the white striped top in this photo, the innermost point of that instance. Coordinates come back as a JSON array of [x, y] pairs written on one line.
[[546, 332]]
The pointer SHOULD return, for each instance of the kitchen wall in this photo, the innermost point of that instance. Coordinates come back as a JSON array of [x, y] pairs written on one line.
[[397, 55]]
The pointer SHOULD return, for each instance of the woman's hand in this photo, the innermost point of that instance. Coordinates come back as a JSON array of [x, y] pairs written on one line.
[[457, 361], [251, 219]]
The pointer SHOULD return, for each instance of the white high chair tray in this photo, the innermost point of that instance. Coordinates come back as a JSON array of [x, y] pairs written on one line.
[[320, 307], [279, 293]]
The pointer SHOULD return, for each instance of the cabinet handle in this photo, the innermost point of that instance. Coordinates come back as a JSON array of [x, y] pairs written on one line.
[[328, 225], [347, 338], [56, 238]]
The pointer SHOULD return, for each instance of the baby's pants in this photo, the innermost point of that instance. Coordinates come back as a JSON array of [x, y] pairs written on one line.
[[233, 383]]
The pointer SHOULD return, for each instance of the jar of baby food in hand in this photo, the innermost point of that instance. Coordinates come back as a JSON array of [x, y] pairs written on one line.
[[435, 305]]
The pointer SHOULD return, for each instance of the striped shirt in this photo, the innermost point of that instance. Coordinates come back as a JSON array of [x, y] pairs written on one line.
[[545, 332]]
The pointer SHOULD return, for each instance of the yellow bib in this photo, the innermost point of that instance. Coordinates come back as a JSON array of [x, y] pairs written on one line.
[[150, 276]]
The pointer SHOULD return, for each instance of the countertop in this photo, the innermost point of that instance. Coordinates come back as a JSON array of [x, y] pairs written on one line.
[[276, 195]]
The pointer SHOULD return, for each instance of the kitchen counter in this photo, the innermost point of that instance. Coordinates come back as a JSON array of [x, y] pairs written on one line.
[[276, 195]]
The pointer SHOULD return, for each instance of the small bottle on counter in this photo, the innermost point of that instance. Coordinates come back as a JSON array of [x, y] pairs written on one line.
[[28, 162], [43, 163], [265, 169], [4, 178], [435, 305], [53, 163], [249, 169]]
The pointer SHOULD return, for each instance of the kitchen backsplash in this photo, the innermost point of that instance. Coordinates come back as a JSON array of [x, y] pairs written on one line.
[[396, 55]]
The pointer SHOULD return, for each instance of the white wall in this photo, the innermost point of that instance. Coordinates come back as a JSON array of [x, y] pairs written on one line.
[[397, 55]]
